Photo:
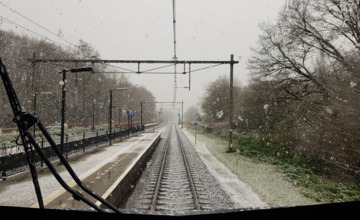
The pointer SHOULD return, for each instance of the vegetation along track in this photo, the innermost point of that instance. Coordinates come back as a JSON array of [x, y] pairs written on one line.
[[176, 180]]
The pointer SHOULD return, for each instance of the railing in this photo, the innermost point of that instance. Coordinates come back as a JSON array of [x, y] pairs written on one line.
[[13, 159]]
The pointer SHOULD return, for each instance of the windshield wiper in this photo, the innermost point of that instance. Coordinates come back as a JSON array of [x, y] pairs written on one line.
[[25, 121]]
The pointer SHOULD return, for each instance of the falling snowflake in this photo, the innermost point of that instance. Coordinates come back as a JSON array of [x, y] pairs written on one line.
[[328, 110], [266, 106], [220, 114]]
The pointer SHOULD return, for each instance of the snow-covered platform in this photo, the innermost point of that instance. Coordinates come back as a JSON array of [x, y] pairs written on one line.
[[108, 172], [112, 177]]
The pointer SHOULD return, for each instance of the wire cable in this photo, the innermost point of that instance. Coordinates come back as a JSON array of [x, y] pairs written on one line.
[[37, 24], [205, 68], [145, 71], [27, 29], [129, 71]]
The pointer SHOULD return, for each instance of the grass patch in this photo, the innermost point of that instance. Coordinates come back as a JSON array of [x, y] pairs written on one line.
[[264, 179], [296, 167]]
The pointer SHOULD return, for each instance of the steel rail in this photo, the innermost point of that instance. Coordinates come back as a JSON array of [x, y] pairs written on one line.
[[161, 173], [188, 172], [192, 189]]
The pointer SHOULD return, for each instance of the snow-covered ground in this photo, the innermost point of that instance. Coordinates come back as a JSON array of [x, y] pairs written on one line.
[[239, 192], [20, 191]]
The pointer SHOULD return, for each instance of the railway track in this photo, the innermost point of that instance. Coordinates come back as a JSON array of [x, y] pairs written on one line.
[[174, 181], [174, 171]]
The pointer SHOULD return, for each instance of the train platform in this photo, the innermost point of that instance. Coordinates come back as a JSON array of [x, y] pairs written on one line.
[[107, 171]]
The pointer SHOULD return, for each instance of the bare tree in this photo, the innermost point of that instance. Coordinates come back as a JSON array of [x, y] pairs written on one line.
[[309, 59], [191, 114], [83, 89], [216, 101]]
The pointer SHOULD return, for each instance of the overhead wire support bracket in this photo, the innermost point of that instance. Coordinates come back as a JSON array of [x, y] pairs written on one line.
[[189, 75], [138, 72]]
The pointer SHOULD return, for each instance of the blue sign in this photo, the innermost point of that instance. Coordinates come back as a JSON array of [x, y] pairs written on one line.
[[196, 124], [129, 112]]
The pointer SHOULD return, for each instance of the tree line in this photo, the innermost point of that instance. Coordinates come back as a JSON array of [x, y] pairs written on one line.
[[304, 89], [87, 93]]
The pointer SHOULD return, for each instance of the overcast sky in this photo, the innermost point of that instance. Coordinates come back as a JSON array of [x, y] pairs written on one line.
[[143, 30]]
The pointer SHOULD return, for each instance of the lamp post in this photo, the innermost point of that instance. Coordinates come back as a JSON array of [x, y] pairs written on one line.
[[63, 85], [121, 113], [95, 104], [110, 109], [93, 116], [35, 95]]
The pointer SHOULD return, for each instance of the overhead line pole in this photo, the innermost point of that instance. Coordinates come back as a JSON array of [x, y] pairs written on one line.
[[231, 104]]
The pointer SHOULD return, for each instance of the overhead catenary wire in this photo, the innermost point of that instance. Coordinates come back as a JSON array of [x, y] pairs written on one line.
[[37, 24], [35, 33], [70, 46], [129, 71], [207, 67], [31, 31], [158, 68]]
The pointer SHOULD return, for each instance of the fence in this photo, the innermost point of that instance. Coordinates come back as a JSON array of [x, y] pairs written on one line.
[[13, 158]]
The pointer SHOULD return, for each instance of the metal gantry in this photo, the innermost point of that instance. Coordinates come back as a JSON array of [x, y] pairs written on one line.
[[231, 62]]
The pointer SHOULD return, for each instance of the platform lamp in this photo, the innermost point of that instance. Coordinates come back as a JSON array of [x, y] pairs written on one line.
[[63, 85]]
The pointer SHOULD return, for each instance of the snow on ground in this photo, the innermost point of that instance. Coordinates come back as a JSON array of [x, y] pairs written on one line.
[[240, 193], [20, 191]]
